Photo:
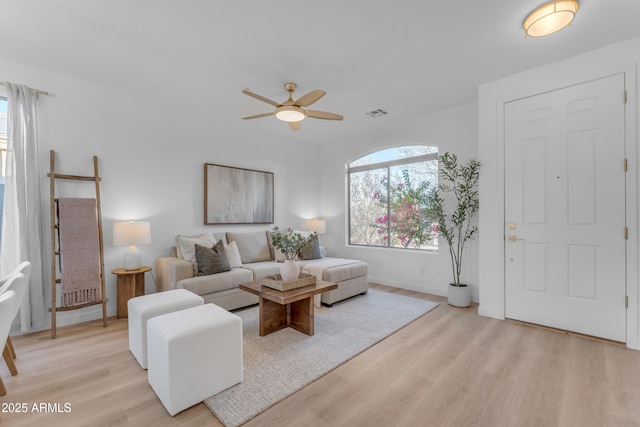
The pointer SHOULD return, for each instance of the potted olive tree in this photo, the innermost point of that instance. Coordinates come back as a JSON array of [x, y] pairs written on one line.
[[453, 204]]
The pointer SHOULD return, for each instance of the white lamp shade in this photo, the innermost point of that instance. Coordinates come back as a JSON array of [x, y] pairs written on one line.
[[131, 233], [317, 225]]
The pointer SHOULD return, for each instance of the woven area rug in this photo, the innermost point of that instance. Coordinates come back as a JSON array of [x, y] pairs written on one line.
[[283, 362]]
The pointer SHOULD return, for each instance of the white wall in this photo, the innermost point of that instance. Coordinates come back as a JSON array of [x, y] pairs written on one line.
[[618, 58], [151, 155], [454, 131]]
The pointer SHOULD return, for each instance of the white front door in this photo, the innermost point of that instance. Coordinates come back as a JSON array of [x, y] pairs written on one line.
[[565, 209]]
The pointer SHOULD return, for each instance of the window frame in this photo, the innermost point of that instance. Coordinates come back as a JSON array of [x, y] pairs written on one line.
[[3, 150], [385, 165]]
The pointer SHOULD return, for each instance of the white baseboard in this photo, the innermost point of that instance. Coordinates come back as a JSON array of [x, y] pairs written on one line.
[[82, 315], [633, 344], [490, 312], [66, 318], [409, 287]]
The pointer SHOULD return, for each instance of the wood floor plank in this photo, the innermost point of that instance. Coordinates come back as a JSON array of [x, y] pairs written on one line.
[[450, 367]]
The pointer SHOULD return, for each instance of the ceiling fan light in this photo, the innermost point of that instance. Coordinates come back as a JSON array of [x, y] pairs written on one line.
[[290, 113], [550, 17]]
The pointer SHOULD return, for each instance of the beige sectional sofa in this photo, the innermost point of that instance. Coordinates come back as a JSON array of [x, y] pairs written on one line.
[[253, 259]]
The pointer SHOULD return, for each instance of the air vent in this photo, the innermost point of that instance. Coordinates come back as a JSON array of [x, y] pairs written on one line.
[[377, 113]]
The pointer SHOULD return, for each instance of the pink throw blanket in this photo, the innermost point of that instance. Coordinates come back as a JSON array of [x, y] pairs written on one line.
[[79, 251]]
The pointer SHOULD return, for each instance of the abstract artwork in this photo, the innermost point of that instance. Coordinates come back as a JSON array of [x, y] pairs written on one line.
[[237, 196]]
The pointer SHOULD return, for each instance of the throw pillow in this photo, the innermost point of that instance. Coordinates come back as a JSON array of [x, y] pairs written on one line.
[[280, 257], [253, 246], [233, 255], [186, 245], [311, 250], [272, 250], [211, 260]]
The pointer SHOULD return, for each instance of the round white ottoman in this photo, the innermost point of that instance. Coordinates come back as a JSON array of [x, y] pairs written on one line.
[[194, 354], [145, 307]]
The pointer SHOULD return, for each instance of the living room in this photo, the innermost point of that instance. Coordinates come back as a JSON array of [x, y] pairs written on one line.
[[156, 91]]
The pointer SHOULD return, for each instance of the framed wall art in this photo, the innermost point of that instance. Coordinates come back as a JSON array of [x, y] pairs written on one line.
[[237, 196]]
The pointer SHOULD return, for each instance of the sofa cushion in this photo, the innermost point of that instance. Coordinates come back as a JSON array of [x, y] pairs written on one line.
[[233, 255], [346, 272], [203, 285], [336, 269], [253, 247], [262, 269], [311, 250], [211, 260]]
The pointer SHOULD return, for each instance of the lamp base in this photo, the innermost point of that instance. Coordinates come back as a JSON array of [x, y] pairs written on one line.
[[132, 260]]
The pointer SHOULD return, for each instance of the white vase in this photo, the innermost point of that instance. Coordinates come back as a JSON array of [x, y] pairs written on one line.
[[289, 270]]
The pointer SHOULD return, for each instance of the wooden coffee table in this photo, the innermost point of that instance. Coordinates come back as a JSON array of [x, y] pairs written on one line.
[[293, 308]]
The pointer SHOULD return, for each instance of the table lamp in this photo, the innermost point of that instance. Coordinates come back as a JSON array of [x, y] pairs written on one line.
[[317, 225], [131, 234]]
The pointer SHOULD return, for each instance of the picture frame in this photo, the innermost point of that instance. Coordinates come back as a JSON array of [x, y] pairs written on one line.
[[237, 196]]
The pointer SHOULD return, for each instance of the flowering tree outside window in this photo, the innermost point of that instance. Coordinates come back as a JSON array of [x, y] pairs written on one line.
[[406, 224], [387, 198], [364, 208]]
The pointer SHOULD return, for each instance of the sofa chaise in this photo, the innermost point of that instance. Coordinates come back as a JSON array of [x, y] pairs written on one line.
[[251, 257]]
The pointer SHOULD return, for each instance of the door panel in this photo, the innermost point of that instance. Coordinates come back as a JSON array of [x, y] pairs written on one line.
[[535, 267], [565, 209], [582, 195]]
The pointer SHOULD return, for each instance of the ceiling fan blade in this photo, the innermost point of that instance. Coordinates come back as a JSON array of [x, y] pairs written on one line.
[[261, 98], [294, 125], [323, 115], [310, 98], [257, 116]]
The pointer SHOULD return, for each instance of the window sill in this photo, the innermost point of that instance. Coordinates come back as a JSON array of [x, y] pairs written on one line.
[[398, 250]]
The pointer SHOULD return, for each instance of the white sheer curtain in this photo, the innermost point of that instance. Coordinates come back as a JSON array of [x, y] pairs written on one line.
[[21, 222]]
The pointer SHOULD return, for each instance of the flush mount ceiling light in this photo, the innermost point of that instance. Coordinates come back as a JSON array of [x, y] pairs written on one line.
[[549, 18]]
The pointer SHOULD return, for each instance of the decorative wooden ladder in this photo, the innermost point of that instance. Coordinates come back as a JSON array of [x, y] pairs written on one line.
[[55, 238]]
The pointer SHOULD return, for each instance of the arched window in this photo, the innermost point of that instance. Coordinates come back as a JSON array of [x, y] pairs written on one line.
[[387, 206]]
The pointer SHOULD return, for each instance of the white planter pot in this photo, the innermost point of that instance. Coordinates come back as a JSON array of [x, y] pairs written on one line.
[[289, 270], [459, 296]]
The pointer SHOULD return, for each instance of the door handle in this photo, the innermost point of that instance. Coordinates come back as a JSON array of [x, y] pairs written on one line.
[[513, 238]]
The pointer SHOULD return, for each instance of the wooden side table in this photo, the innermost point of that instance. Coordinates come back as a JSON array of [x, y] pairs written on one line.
[[130, 284]]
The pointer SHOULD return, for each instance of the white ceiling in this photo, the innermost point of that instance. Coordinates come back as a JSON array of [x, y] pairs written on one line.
[[409, 57]]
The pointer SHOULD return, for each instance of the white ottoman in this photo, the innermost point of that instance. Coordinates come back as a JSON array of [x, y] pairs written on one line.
[[145, 307], [194, 354]]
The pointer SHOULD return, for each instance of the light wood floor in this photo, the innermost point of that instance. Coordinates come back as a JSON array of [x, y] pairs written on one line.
[[449, 368]]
